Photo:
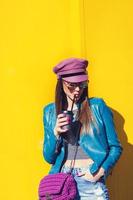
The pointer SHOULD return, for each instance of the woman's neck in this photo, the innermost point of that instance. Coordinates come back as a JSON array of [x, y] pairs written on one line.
[[70, 102]]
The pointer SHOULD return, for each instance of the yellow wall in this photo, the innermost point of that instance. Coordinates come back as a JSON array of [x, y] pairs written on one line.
[[107, 39], [34, 36]]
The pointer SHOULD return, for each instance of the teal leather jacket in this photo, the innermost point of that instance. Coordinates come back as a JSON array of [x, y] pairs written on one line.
[[102, 146]]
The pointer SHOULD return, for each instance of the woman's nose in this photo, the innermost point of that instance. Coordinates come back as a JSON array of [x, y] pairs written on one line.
[[77, 88]]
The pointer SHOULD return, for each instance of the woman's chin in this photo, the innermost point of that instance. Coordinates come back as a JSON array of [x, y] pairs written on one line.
[[77, 98]]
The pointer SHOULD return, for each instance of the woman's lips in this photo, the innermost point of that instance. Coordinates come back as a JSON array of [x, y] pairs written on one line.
[[76, 97]]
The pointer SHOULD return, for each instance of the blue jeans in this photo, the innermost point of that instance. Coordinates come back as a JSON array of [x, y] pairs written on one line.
[[88, 190]]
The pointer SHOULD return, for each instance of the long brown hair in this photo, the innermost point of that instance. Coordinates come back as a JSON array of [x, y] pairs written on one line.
[[85, 114]]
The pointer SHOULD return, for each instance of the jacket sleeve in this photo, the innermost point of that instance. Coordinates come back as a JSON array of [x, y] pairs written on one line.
[[115, 148], [51, 142]]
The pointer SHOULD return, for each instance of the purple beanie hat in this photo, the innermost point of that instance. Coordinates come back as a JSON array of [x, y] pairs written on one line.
[[72, 70]]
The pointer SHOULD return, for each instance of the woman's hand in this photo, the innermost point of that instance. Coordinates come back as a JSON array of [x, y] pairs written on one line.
[[61, 121], [93, 178]]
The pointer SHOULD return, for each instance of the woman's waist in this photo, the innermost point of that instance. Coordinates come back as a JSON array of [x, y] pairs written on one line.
[[78, 163]]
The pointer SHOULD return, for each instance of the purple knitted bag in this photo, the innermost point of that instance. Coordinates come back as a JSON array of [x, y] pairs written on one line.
[[60, 186]]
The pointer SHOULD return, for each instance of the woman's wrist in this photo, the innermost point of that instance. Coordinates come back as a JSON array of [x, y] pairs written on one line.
[[102, 171], [56, 133]]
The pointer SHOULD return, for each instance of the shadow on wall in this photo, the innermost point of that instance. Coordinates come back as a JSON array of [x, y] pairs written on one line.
[[120, 182]]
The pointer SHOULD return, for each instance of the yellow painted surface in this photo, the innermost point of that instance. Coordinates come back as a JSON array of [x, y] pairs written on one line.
[[107, 40], [34, 36]]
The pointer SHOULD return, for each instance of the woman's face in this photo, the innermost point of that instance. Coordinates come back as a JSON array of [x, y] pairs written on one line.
[[74, 89]]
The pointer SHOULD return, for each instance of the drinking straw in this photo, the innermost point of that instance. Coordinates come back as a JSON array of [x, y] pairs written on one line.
[[73, 102]]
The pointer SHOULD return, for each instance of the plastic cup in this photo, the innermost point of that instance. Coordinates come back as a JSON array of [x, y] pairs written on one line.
[[69, 115]]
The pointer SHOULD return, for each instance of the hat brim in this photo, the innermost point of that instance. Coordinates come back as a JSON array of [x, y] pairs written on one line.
[[75, 79]]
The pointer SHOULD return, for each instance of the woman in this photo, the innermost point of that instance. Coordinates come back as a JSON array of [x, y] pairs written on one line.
[[98, 148]]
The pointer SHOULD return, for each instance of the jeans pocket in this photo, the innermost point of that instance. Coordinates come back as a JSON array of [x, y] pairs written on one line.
[[82, 177]]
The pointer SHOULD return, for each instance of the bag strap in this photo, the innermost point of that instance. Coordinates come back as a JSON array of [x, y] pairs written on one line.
[[76, 147], [77, 137]]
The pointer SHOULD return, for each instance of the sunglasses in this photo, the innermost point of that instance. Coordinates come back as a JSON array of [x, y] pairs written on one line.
[[72, 86]]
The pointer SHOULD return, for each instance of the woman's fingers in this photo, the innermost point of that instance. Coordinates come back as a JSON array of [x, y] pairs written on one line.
[[88, 176], [60, 130], [61, 115], [62, 120], [62, 124]]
